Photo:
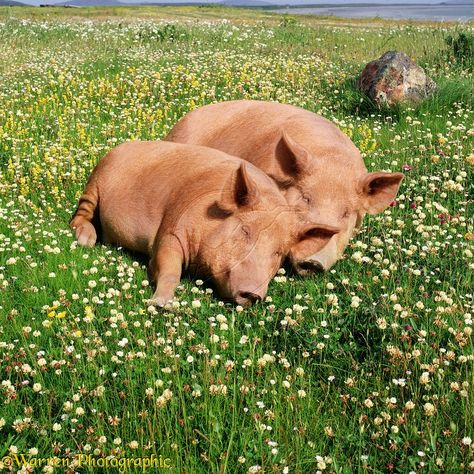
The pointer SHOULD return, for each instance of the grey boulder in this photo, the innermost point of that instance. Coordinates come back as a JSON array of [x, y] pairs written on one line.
[[395, 78]]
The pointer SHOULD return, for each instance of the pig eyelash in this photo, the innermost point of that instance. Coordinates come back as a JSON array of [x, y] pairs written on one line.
[[245, 230]]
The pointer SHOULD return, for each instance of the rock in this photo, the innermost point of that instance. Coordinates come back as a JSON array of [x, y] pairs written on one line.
[[394, 78]]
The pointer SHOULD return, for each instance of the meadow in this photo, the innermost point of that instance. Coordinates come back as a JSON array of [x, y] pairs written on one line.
[[365, 368]]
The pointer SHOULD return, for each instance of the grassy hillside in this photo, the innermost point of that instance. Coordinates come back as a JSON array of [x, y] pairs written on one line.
[[366, 368]]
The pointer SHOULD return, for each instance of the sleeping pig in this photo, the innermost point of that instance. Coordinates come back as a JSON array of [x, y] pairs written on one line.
[[318, 168], [190, 207]]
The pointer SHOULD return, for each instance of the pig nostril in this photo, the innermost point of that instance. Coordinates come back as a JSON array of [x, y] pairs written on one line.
[[250, 297], [311, 266]]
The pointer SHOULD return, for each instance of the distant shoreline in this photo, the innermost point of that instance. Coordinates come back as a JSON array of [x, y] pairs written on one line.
[[435, 12]]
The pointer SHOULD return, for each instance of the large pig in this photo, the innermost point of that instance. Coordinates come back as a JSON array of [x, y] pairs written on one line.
[[318, 168], [190, 207]]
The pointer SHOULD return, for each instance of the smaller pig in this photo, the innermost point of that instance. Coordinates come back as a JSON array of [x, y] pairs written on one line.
[[190, 207]]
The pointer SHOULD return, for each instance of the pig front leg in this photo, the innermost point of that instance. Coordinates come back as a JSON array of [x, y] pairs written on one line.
[[165, 270]]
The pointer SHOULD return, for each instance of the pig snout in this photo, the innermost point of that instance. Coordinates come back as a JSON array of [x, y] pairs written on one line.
[[314, 264], [248, 281], [242, 289], [247, 298], [246, 291]]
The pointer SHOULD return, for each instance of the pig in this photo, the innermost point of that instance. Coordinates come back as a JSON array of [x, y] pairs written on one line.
[[189, 207], [317, 167]]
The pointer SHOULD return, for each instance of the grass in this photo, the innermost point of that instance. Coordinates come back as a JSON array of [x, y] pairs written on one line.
[[367, 368]]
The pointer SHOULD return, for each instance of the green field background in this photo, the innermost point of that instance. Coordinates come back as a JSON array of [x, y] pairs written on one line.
[[365, 368]]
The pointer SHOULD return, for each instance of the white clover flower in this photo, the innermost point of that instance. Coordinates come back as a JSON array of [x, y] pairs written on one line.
[[425, 378], [382, 323], [254, 469], [429, 409], [355, 302]]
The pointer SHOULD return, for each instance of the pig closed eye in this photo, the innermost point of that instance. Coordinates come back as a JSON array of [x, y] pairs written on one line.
[[346, 214], [245, 231], [306, 198]]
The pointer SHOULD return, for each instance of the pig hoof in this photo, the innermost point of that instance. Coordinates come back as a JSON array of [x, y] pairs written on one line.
[[86, 235], [160, 301]]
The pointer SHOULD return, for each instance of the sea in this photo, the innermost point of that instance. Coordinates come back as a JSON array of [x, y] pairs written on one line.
[[459, 13]]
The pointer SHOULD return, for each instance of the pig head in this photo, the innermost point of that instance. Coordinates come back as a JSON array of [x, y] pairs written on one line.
[[316, 166], [250, 229]]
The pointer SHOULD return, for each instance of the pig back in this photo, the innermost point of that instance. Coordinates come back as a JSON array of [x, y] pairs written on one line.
[[251, 130], [141, 183]]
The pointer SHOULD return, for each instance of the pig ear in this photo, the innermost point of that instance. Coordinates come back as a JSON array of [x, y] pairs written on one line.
[[314, 230], [379, 190], [293, 159], [245, 190], [240, 190]]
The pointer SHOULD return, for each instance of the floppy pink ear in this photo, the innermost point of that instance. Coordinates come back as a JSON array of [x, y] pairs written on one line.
[[240, 190], [379, 190], [310, 239], [293, 158]]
